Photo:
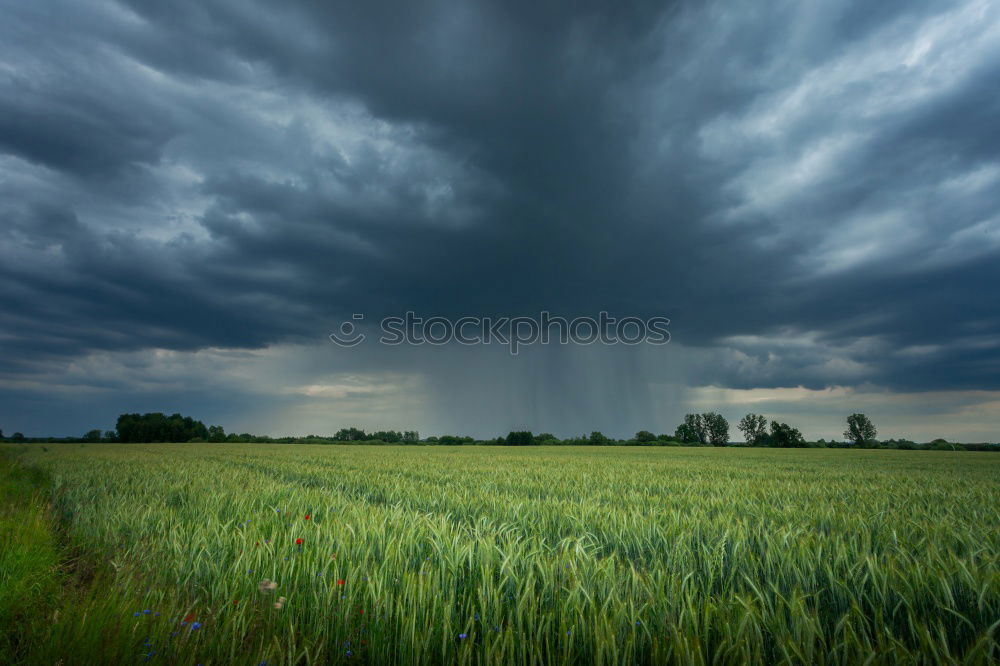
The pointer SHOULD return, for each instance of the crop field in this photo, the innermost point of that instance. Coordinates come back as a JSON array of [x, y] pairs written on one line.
[[279, 554]]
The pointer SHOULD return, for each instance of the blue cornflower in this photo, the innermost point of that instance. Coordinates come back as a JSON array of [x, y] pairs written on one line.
[[195, 626], [637, 623], [136, 614], [348, 653], [263, 663], [146, 612], [477, 617], [463, 636], [569, 632]]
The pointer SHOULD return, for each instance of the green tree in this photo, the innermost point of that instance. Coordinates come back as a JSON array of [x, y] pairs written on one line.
[[754, 429], [17, 437], [644, 437], [520, 438], [785, 436], [860, 430], [350, 435], [216, 434], [692, 431], [597, 438], [716, 428], [92, 436], [411, 436]]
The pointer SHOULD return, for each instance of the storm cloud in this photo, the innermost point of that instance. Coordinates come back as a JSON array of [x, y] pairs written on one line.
[[811, 195]]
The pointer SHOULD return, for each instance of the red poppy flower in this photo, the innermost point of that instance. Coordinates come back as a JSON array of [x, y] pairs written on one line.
[[340, 581], [298, 542], [235, 602], [307, 516], [190, 617]]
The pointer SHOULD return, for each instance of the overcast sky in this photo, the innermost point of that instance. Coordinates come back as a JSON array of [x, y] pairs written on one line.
[[194, 194]]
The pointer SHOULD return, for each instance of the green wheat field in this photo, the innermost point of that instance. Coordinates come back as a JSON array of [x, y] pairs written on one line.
[[287, 554]]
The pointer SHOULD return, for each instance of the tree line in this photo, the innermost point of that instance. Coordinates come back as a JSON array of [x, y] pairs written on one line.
[[704, 429]]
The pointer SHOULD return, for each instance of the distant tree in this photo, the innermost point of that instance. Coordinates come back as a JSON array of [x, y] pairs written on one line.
[[17, 437], [92, 436], [644, 436], [411, 436], [754, 429], [785, 436], [216, 434], [860, 430], [453, 440], [546, 438], [110, 436], [938, 445], [157, 427], [1, 434], [520, 438], [693, 430], [716, 428], [350, 435], [597, 438]]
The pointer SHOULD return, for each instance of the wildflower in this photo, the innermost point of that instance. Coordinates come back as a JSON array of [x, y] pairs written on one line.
[[146, 612], [307, 516], [477, 617], [190, 617], [195, 626], [637, 623], [266, 586], [136, 614], [348, 653], [298, 542], [236, 602], [463, 636], [340, 581]]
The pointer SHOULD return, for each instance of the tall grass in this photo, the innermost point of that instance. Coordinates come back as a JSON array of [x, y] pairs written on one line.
[[29, 558], [541, 555]]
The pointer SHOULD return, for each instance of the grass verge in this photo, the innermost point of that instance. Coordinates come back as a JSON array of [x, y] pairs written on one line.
[[30, 574]]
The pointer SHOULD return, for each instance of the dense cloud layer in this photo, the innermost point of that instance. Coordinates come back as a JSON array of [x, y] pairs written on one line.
[[811, 195]]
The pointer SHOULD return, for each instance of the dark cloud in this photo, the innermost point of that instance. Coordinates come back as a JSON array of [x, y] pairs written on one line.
[[808, 193]]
